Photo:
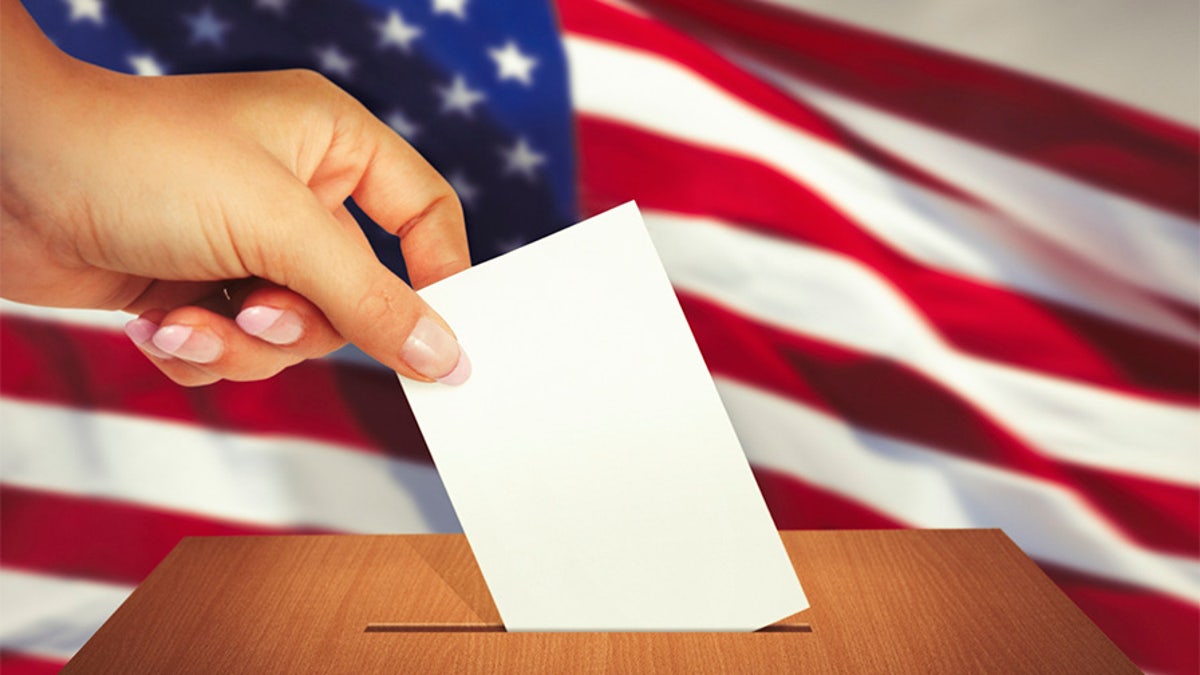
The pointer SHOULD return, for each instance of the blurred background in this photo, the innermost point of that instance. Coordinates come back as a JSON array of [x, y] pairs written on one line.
[[941, 259]]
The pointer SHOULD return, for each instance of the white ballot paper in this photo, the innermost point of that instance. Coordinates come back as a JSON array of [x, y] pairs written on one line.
[[591, 463]]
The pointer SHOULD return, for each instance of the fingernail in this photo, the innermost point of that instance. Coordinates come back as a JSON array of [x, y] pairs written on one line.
[[140, 331], [277, 326], [434, 353], [462, 370], [190, 345]]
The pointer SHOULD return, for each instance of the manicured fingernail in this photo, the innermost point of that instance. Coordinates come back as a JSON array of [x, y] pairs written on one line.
[[188, 344], [140, 331], [277, 326], [462, 370], [433, 352]]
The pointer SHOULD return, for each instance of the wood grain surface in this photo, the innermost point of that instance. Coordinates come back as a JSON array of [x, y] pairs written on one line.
[[898, 601]]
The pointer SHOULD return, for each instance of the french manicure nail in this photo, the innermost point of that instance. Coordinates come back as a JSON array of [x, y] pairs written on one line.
[[433, 352], [188, 344], [277, 326], [140, 331], [462, 370]]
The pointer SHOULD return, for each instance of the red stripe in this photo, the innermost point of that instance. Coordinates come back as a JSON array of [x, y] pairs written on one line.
[[878, 394], [1099, 141], [111, 541], [15, 663], [1156, 632], [797, 505], [866, 391], [359, 407], [846, 383], [619, 163], [587, 17], [100, 539]]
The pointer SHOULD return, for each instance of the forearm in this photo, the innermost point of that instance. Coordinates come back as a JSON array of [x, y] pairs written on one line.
[[45, 96], [28, 62], [39, 88]]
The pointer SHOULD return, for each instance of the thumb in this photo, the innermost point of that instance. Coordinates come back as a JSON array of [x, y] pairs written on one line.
[[331, 264]]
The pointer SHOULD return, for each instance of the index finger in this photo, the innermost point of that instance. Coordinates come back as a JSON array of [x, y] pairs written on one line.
[[402, 192]]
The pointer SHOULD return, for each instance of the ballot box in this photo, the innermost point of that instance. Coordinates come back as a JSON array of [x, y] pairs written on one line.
[[895, 601]]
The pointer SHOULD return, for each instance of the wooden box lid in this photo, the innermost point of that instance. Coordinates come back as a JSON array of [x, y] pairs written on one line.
[[951, 601]]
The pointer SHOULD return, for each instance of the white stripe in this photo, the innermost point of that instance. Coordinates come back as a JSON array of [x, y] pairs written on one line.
[[1114, 48], [836, 298], [90, 318], [658, 95], [272, 481], [51, 617], [927, 488], [115, 322], [1100, 226]]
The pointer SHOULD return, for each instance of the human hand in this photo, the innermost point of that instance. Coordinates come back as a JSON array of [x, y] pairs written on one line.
[[212, 207]]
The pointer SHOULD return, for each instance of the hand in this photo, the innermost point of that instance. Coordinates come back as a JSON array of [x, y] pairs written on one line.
[[212, 207]]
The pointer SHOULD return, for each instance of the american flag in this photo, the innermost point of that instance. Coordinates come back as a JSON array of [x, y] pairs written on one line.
[[936, 288]]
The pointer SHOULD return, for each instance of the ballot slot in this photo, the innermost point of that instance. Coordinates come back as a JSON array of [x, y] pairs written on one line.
[[499, 628], [435, 628]]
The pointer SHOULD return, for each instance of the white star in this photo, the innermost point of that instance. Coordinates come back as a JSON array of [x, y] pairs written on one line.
[[456, 8], [207, 27], [467, 192], [334, 62], [395, 33], [145, 64], [87, 9], [278, 7], [512, 64], [401, 124], [522, 159], [458, 97]]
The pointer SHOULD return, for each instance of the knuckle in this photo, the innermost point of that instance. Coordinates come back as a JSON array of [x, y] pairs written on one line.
[[319, 92], [448, 199], [298, 95], [261, 372], [444, 199], [382, 304], [376, 305], [305, 79], [316, 341], [190, 377], [329, 343]]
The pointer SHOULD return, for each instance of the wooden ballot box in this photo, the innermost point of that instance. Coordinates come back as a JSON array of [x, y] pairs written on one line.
[[899, 601]]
